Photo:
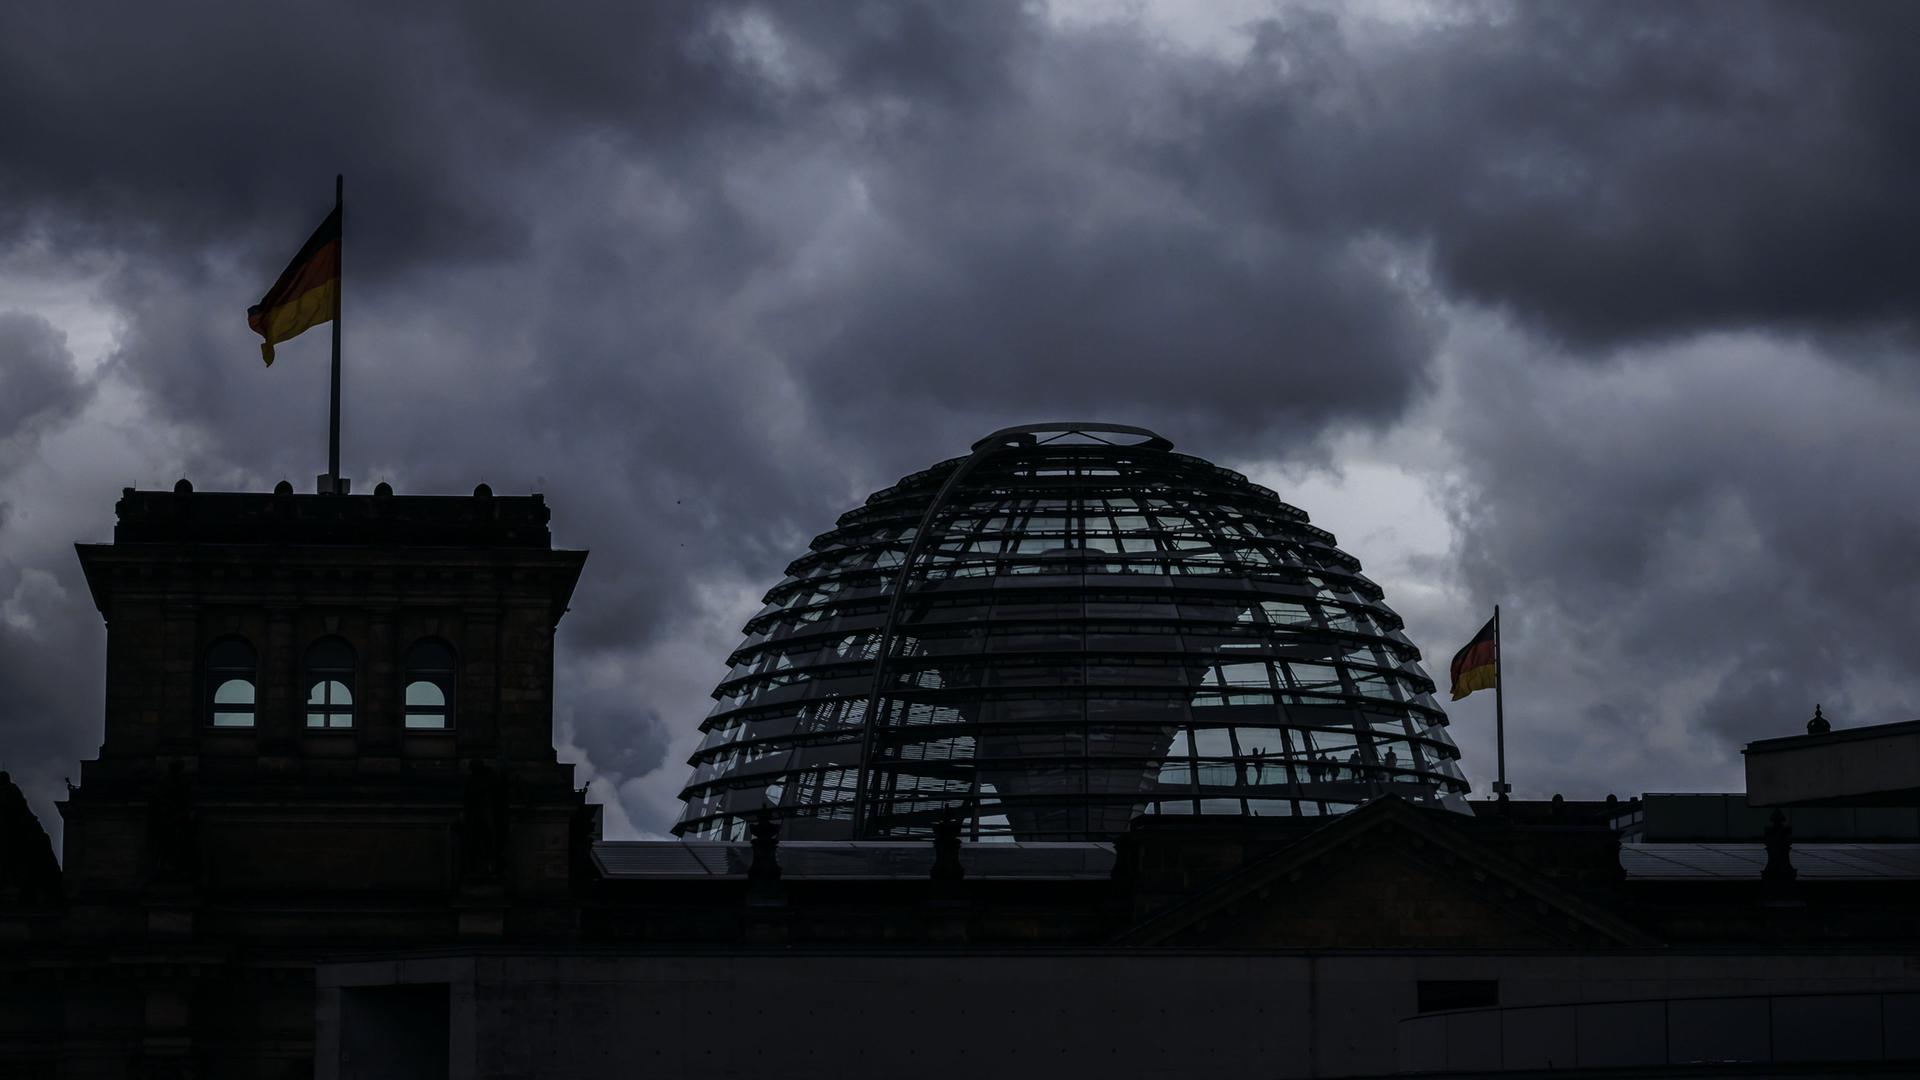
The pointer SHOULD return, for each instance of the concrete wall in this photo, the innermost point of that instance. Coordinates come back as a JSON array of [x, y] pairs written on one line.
[[1785, 1029], [1864, 765], [1144, 1013]]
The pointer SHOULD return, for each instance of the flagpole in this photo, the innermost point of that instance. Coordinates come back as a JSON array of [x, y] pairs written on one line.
[[1500, 706], [333, 414]]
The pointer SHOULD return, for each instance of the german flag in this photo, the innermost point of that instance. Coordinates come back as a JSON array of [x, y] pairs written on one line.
[[307, 294], [1477, 666]]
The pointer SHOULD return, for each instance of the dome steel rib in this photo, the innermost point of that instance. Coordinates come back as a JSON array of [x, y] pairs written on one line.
[[1072, 626]]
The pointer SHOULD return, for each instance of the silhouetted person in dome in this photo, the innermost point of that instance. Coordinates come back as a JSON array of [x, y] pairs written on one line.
[[1353, 766], [1393, 764]]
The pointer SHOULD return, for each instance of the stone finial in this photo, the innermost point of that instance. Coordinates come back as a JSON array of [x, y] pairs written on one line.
[[183, 487], [1818, 725], [284, 487], [483, 491], [383, 489], [946, 851], [1779, 838], [765, 831]]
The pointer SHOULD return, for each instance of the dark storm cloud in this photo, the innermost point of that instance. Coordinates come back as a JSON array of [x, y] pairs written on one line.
[[626, 740], [1638, 173], [50, 655], [1702, 543], [707, 273], [38, 384], [184, 131], [179, 132], [1606, 173], [639, 299], [552, 219], [50, 664], [1000, 301]]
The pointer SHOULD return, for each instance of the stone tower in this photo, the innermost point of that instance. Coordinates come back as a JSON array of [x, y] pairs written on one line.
[[327, 717]]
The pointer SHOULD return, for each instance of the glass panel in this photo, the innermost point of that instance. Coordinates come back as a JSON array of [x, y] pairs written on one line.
[[1219, 774], [1245, 674], [234, 692], [425, 695], [329, 692], [335, 703], [1212, 742], [233, 719]]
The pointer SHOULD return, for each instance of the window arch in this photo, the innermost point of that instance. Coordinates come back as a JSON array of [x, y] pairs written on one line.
[[430, 668], [330, 684], [230, 683]]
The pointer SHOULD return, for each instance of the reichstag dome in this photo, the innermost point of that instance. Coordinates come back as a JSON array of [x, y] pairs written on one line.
[[1068, 628]]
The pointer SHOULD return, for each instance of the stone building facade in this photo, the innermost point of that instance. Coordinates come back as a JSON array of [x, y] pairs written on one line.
[[326, 834], [328, 720]]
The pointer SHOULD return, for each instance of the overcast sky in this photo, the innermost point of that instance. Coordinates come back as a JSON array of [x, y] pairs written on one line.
[[1602, 312]]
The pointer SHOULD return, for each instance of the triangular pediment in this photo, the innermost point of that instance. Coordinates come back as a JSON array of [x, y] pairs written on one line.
[[1387, 875]]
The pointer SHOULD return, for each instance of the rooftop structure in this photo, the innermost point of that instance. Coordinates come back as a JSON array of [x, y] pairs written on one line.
[[274, 657], [1875, 765], [327, 832], [1070, 627], [873, 860]]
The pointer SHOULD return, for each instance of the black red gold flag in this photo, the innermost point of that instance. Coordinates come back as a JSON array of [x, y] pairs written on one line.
[[1477, 665], [307, 293]]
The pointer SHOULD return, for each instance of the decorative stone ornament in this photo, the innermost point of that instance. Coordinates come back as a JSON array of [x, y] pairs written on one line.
[[1779, 838]]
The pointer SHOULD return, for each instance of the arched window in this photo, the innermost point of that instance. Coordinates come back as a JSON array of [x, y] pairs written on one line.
[[430, 679], [230, 664], [330, 684]]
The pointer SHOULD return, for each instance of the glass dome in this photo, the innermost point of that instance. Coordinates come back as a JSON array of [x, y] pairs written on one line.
[[1068, 628]]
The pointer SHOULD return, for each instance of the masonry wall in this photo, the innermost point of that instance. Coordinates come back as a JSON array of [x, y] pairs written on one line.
[[1117, 1013], [208, 864]]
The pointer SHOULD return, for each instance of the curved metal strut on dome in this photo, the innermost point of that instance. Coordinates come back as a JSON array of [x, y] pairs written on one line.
[[985, 448]]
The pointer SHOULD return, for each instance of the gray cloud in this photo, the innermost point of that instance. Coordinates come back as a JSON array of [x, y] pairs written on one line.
[[50, 654], [1606, 174], [38, 384], [1690, 547], [708, 273]]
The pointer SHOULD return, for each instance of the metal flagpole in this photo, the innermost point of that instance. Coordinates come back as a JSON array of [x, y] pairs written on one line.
[[1500, 706], [333, 415]]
